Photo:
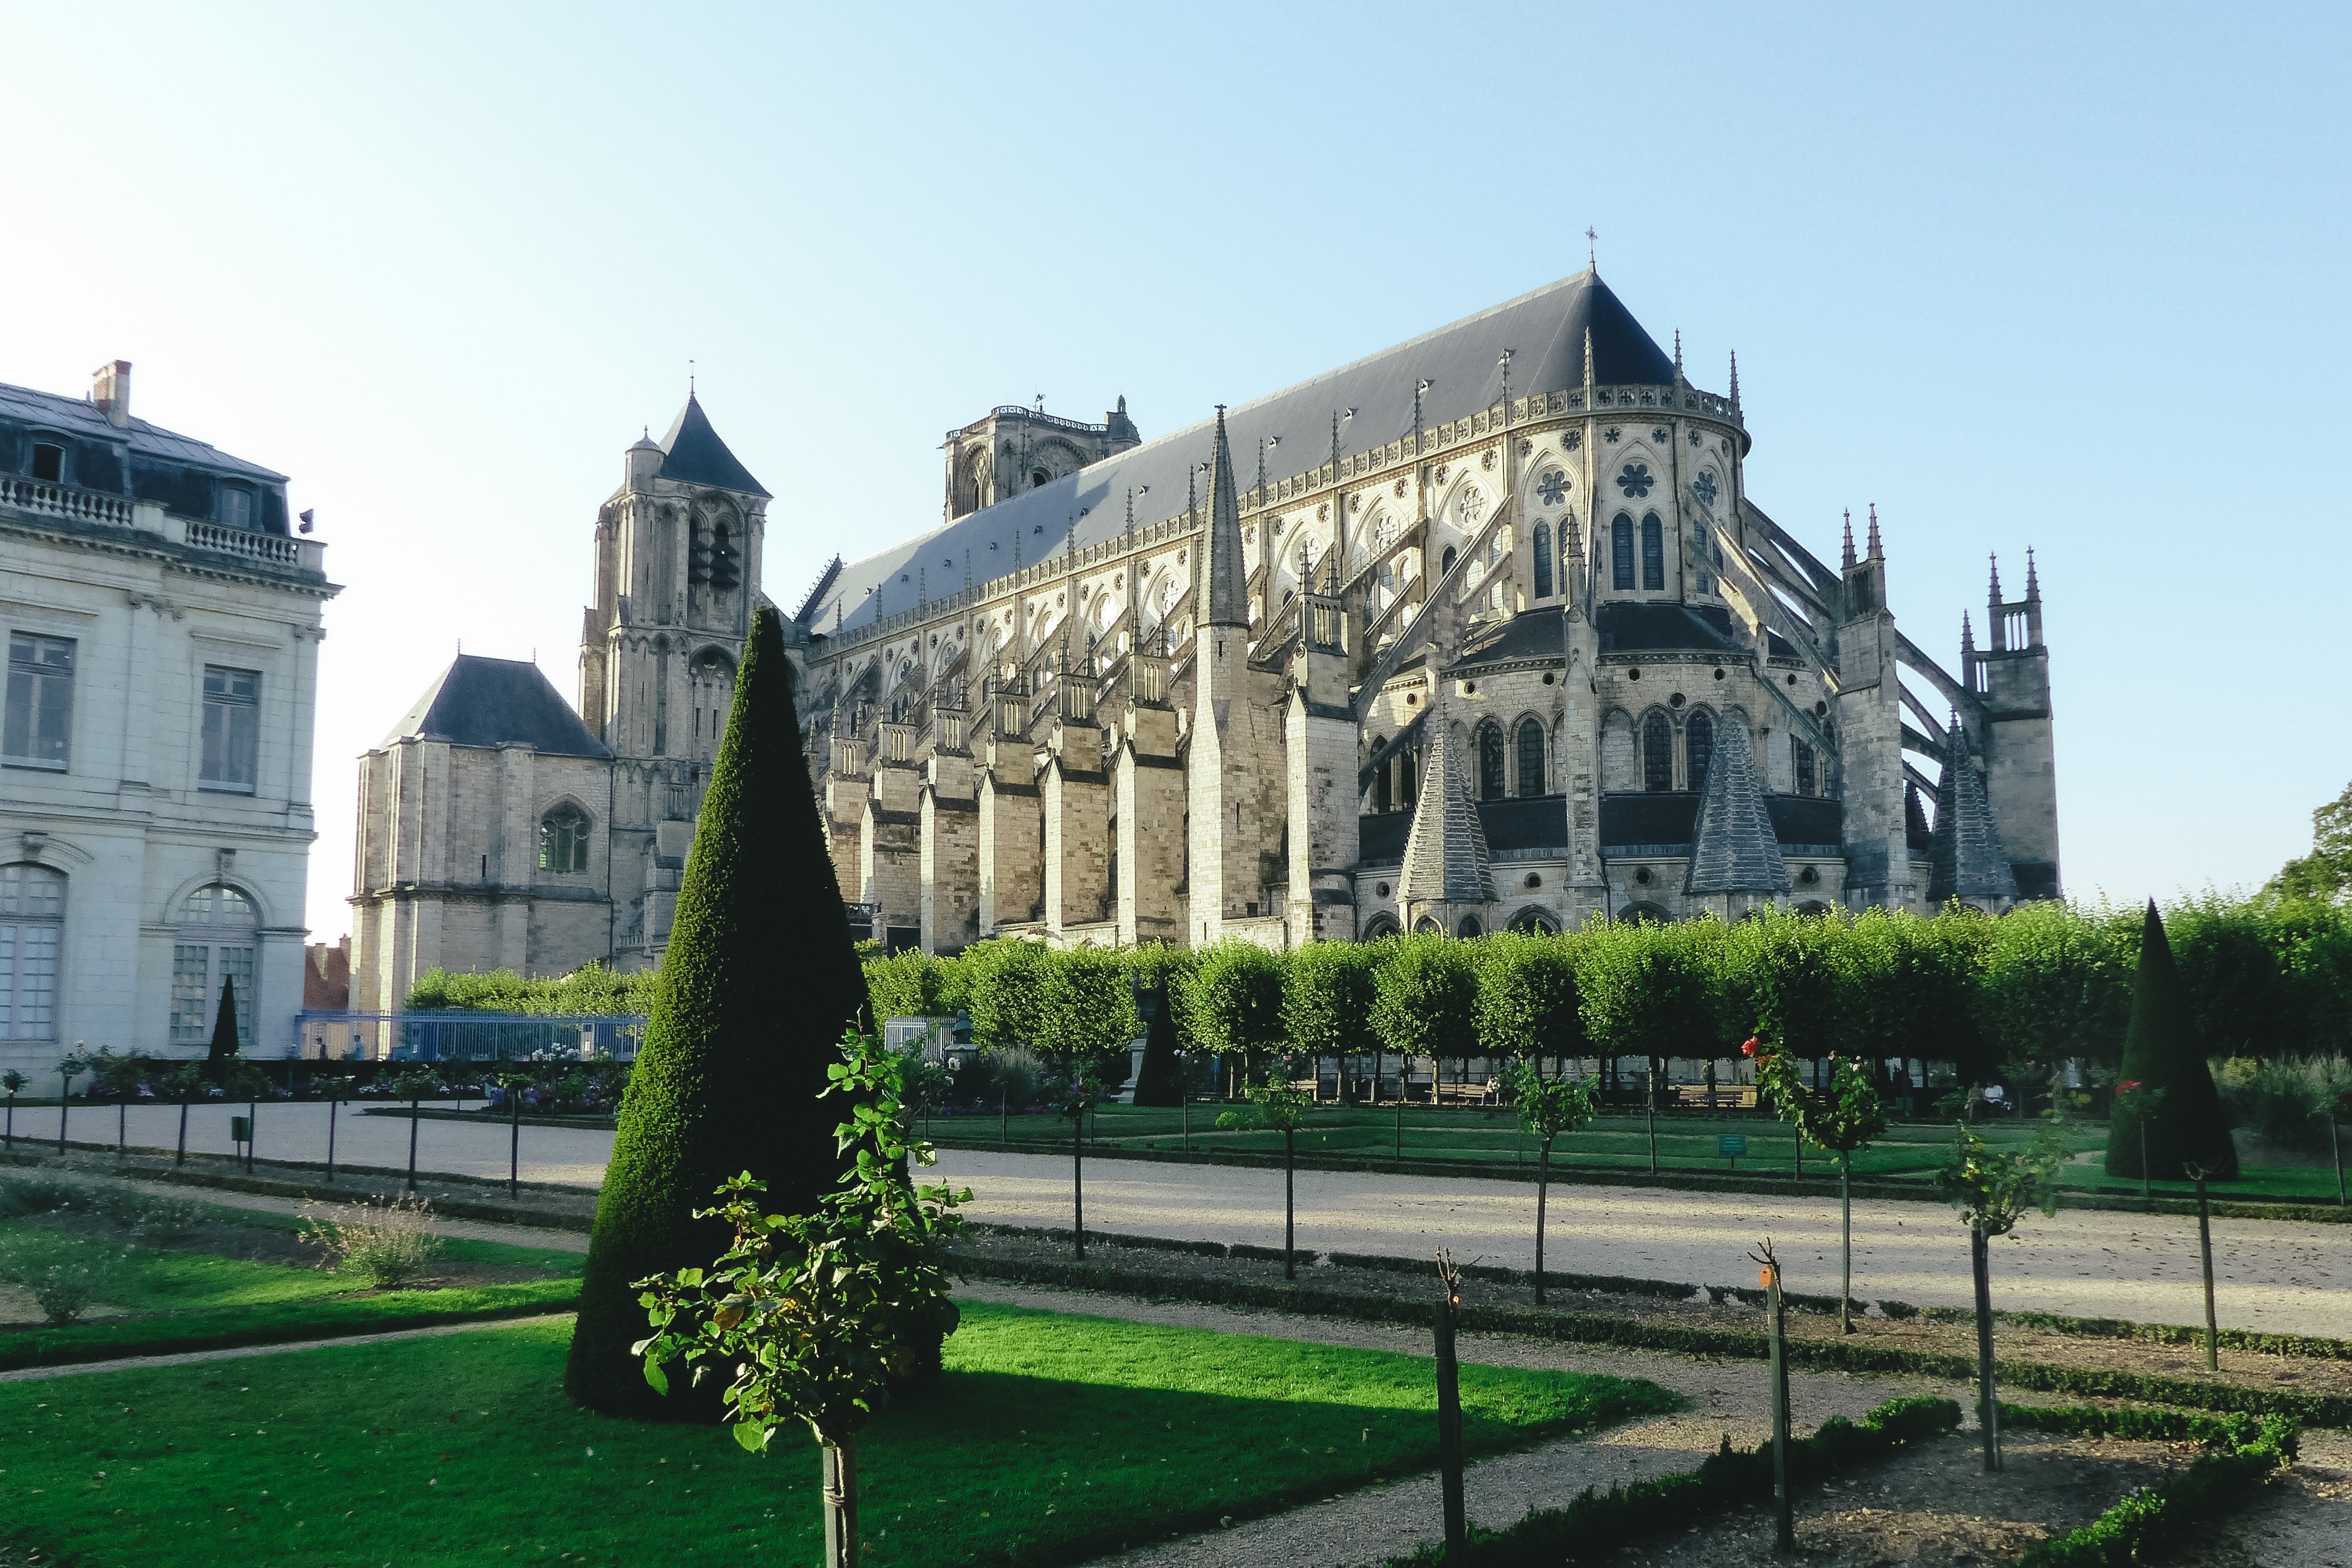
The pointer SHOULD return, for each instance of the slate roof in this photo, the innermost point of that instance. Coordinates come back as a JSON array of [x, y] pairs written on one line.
[[694, 455], [1531, 635], [1735, 849], [1671, 818], [1445, 854], [1530, 822], [79, 417], [1965, 859], [1545, 329], [1643, 627], [497, 702]]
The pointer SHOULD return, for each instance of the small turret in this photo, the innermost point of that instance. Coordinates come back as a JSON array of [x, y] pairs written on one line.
[[643, 462]]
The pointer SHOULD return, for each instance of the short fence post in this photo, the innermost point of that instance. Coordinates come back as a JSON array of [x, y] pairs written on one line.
[[252, 1116], [333, 1105], [1776, 1317], [1449, 1412]]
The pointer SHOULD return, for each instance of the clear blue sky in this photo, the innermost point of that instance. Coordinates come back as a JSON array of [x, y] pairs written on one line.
[[2071, 277]]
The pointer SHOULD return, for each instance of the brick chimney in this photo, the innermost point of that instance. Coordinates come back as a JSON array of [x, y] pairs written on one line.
[[110, 391]]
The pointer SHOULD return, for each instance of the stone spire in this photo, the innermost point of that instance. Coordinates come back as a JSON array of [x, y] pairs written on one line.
[[1965, 860], [1995, 595], [1877, 552], [1733, 848], [1446, 859], [1968, 639], [1735, 377], [1915, 815], [1846, 560], [1228, 577], [2032, 583]]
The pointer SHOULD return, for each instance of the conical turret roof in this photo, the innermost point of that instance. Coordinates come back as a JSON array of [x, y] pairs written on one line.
[[694, 455], [1445, 857], [1228, 575], [1733, 848], [1965, 859]]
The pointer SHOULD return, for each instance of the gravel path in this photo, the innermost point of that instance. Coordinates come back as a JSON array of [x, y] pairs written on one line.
[[238, 1352], [2283, 1275]]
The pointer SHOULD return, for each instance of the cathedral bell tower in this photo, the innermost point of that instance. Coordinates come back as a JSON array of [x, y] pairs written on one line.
[[678, 575]]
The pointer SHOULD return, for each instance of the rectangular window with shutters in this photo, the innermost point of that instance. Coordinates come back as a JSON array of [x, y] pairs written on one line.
[[36, 728], [232, 728]]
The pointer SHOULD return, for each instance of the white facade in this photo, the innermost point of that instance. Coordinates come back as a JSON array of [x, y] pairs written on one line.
[[163, 628]]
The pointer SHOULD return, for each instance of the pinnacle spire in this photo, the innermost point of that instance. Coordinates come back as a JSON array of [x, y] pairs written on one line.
[[2032, 583], [1588, 358], [1678, 356], [1876, 552], [1968, 635], [1734, 848], [1996, 580], [1965, 859], [1847, 561], [1445, 854], [1735, 377], [1228, 576]]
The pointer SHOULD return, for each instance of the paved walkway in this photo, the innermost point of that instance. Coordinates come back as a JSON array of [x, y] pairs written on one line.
[[2291, 1276], [238, 1352]]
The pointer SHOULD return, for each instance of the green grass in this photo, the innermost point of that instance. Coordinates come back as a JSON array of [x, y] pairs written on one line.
[[1052, 1439], [139, 1278]]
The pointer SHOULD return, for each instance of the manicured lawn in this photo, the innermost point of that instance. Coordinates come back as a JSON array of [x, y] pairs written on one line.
[[1052, 1439], [145, 1279]]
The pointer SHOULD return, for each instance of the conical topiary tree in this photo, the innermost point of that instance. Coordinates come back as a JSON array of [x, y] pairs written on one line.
[[2162, 1053], [755, 989], [225, 1045]]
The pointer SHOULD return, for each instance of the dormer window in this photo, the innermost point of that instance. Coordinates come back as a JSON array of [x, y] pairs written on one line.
[[50, 461], [236, 507]]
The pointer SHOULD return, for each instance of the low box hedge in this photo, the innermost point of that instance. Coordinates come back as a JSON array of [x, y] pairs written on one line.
[[2245, 1459]]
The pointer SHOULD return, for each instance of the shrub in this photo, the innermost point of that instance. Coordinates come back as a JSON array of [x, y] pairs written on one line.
[[388, 1242], [2285, 1102], [39, 1195], [63, 1291], [2178, 1102], [1005, 987], [1007, 1075], [1426, 997]]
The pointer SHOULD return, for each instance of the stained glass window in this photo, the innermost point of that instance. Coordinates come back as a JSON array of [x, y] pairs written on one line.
[[1654, 553], [1620, 541], [1531, 757], [1491, 786], [1698, 747], [1540, 543], [1804, 769], [1657, 753], [564, 838]]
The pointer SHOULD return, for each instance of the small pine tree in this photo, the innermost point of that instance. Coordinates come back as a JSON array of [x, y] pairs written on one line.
[[2161, 1052], [755, 988], [225, 1046]]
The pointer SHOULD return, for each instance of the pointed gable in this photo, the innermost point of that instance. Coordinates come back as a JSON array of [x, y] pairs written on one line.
[[497, 702], [1733, 848], [1965, 858], [693, 455], [1445, 858]]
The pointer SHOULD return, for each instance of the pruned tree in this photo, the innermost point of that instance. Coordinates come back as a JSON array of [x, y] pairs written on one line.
[[1327, 1002], [1846, 1113], [2182, 1112], [1425, 998], [1233, 1004], [1528, 1005], [1283, 1108], [1547, 1108]]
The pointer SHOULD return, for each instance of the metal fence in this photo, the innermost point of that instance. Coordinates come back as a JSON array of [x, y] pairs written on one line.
[[461, 1036]]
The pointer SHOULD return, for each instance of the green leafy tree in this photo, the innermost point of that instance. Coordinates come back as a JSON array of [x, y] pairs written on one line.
[[1006, 991], [1912, 984], [1787, 977], [1233, 1004], [1652, 991], [816, 1315], [2325, 874], [1547, 1109], [906, 985], [2057, 984], [1529, 1006], [1072, 1097], [2183, 1117], [1327, 1002], [1283, 1108], [1992, 1191], [1425, 998], [1086, 1012], [756, 985], [1160, 972], [1844, 1114]]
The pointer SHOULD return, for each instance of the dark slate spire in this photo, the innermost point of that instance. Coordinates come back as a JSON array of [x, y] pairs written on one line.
[[1915, 817], [694, 454], [1445, 858], [1965, 859], [1733, 848], [1228, 576]]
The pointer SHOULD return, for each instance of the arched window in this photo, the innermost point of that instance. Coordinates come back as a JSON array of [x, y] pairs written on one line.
[[1380, 793], [1531, 757], [32, 922], [1408, 777], [1539, 542], [1621, 549], [1445, 561], [564, 838], [1657, 753], [212, 957], [1469, 928], [1804, 768], [1698, 748], [1654, 553], [1533, 921], [1491, 786]]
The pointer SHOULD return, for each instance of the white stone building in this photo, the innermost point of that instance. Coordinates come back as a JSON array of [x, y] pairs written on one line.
[[163, 627]]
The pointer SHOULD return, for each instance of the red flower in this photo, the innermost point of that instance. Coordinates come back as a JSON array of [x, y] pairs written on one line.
[[2127, 1085], [1750, 1046]]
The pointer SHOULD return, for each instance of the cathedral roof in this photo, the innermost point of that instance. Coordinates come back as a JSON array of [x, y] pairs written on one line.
[[1735, 849], [497, 702], [694, 455], [1445, 857], [1544, 330], [1965, 859]]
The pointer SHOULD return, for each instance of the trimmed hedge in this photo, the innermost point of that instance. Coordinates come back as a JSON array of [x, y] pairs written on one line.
[[2138, 1423], [1593, 1328], [2216, 1481], [1598, 1521], [2311, 1347]]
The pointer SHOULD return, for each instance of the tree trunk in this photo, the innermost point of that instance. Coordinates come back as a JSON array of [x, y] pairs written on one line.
[[183, 1156], [1078, 1186], [252, 1125], [514, 1147], [2205, 1254], [1449, 1437], [413, 1118], [1543, 1189], [1846, 1239], [840, 1504], [1289, 1209], [1987, 1405], [1776, 1309], [332, 1107]]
